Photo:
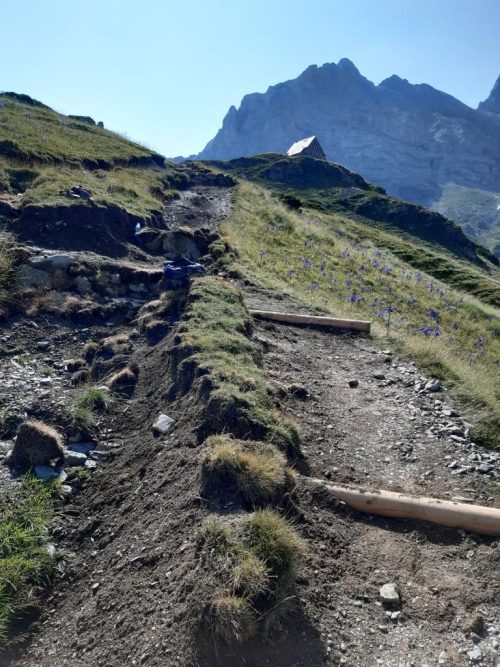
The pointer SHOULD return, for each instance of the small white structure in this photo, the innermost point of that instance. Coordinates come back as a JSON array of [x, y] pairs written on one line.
[[310, 147]]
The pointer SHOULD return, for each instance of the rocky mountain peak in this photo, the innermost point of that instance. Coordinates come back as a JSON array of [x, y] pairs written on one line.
[[412, 139], [492, 102]]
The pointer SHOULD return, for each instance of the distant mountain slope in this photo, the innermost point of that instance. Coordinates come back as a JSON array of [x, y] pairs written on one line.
[[411, 139]]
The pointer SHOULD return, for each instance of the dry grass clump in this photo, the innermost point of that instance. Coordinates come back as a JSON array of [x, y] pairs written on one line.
[[57, 303], [250, 576], [254, 561], [117, 344], [256, 470], [233, 619], [123, 382]]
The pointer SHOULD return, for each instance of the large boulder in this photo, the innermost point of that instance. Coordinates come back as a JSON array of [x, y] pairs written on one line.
[[27, 276], [180, 242], [37, 444]]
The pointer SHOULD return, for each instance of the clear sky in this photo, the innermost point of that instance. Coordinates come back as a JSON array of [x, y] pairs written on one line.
[[165, 72]]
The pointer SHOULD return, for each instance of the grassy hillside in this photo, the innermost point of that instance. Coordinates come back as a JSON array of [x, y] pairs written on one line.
[[339, 266], [424, 239], [44, 153], [31, 131]]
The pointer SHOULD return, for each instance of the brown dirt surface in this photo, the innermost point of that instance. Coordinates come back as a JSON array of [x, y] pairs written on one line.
[[200, 206]]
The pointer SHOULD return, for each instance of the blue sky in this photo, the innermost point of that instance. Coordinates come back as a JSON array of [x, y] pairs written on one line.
[[166, 71]]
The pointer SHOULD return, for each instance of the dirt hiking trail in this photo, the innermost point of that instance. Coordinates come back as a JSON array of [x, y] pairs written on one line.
[[127, 586]]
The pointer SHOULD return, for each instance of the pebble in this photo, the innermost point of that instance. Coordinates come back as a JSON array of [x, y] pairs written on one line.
[[475, 655], [379, 376], [353, 384], [43, 345], [72, 458]]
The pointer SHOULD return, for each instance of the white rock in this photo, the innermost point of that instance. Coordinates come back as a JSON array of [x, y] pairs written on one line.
[[162, 424], [389, 594]]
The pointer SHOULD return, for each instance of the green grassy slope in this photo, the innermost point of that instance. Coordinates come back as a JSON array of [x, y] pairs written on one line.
[[31, 131], [345, 267], [424, 239], [44, 153]]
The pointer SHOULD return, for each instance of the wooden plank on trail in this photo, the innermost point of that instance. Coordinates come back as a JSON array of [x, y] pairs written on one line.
[[475, 518], [312, 320]]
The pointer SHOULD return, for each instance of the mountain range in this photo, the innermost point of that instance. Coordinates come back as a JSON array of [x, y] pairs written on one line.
[[419, 143]]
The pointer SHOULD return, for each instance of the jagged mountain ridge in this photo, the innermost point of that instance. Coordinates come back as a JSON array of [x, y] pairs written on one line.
[[411, 139]]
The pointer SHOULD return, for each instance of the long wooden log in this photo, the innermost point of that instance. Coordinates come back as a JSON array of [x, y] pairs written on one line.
[[312, 320], [474, 518]]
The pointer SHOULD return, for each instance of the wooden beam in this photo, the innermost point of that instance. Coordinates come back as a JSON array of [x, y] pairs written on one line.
[[474, 518], [312, 320]]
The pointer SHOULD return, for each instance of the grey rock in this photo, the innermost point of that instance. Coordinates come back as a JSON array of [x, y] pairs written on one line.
[[379, 376], [162, 424], [82, 447], [485, 469], [434, 385], [47, 473], [389, 594], [90, 465], [353, 384], [51, 262], [27, 276], [66, 490], [476, 655], [43, 345], [74, 459]]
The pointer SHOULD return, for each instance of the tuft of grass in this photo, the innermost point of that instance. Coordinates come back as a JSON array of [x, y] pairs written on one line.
[[250, 577], [93, 399], [25, 563], [254, 559], [215, 539], [83, 420], [276, 542], [233, 619], [257, 470], [6, 263]]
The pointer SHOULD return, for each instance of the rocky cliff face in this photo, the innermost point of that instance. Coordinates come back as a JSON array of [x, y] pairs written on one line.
[[492, 103], [411, 139]]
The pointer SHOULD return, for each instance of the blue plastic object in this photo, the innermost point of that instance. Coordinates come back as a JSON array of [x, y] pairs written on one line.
[[179, 270]]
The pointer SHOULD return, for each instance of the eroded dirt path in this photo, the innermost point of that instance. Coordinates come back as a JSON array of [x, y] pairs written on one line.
[[384, 433], [125, 591]]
